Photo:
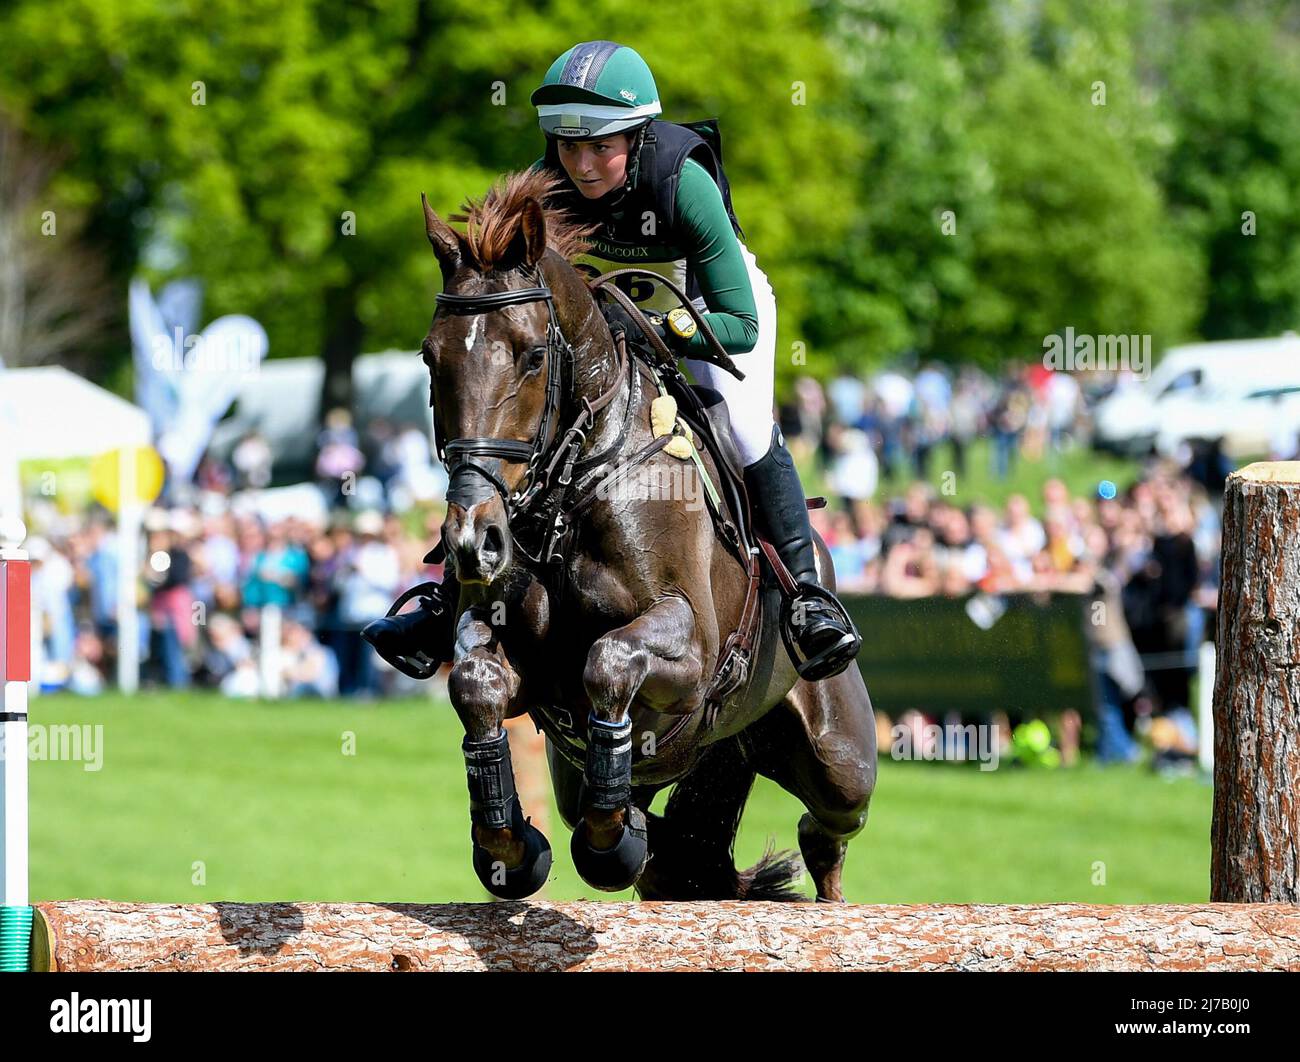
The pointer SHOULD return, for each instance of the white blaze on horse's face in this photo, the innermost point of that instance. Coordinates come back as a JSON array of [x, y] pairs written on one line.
[[488, 376]]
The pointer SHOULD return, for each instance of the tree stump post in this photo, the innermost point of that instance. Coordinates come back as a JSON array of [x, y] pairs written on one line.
[[1255, 832]]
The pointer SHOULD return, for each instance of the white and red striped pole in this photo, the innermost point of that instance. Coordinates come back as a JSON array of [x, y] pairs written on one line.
[[15, 673]]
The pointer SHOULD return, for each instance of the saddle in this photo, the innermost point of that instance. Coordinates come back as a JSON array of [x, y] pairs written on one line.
[[704, 412]]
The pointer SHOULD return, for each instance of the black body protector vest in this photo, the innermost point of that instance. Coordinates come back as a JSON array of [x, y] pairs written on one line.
[[640, 218]]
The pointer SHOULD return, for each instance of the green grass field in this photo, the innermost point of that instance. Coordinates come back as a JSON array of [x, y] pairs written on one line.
[[198, 798]]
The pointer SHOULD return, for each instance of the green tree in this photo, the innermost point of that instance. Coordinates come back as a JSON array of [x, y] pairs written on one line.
[[1232, 174], [1001, 197], [1074, 232], [277, 148]]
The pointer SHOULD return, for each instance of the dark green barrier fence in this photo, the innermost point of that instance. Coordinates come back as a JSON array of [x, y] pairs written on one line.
[[931, 654]]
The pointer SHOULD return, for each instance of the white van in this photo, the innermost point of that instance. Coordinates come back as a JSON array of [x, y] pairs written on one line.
[[1260, 423], [1204, 391]]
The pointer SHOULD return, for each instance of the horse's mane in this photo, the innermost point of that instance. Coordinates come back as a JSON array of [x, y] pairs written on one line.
[[492, 222]]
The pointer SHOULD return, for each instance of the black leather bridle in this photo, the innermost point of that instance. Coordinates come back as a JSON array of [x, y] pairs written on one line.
[[462, 456], [550, 449]]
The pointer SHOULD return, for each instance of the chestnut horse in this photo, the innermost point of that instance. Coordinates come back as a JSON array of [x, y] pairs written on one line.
[[613, 656]]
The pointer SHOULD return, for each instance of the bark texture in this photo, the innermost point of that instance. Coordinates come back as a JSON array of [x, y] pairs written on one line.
[[1255, 833], [82, 935]]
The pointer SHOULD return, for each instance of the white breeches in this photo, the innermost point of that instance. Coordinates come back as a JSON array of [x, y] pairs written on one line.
[[749, 401]]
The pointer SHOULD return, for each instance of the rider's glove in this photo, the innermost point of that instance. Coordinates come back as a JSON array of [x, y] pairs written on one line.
[[618, 318]]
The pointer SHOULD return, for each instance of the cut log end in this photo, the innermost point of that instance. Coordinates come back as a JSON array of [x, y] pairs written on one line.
[[1286, 473]]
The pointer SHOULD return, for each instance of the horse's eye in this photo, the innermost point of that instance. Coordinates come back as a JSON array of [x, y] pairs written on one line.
[[536, 356]]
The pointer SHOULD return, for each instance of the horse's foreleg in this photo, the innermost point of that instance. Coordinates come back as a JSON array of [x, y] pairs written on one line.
[[511, 857], [657, 656]]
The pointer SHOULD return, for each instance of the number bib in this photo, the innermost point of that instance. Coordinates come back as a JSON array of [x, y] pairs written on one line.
[[642, 290]]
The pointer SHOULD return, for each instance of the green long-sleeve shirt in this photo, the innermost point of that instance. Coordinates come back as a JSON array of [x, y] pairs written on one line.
[[703, 241]]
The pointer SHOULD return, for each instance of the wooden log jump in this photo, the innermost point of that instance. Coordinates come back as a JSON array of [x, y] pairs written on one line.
[[99, 935]]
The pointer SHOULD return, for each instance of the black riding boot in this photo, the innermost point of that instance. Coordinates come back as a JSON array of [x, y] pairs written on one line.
[[417, 642], [820, 637]]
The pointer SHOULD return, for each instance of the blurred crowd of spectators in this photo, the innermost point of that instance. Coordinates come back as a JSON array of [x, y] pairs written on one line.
[[329, 557], [204, 588], [891, 424], [1149, 551], [1148, 556]]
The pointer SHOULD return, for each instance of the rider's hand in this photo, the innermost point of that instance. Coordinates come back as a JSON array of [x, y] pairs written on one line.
[[618, 317]]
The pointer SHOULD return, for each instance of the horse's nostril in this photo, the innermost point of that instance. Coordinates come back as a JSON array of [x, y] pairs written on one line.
[[492, 540]]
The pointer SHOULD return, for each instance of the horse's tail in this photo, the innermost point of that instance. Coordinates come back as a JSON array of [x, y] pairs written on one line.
[[772, 877], [691, 844]]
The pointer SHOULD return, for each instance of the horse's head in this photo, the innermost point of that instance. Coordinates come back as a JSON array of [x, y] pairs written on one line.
[[495, 353]]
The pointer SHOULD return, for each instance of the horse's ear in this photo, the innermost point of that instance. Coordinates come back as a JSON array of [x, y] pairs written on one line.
[[444, 239], [532, 227]]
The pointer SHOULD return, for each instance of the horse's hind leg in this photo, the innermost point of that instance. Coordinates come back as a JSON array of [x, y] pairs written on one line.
[[655, 656], [819, 744], [692, 843]]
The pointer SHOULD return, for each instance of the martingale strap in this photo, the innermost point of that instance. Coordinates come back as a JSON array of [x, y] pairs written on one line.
[[717, 353]]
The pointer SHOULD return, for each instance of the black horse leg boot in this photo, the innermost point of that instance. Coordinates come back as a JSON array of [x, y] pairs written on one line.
[[818, 633], [417, 642]]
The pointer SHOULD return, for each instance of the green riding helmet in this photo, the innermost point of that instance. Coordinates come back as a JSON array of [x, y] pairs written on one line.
[[596, 89]]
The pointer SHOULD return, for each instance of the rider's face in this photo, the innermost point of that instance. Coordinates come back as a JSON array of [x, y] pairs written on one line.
[[596, 166]]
